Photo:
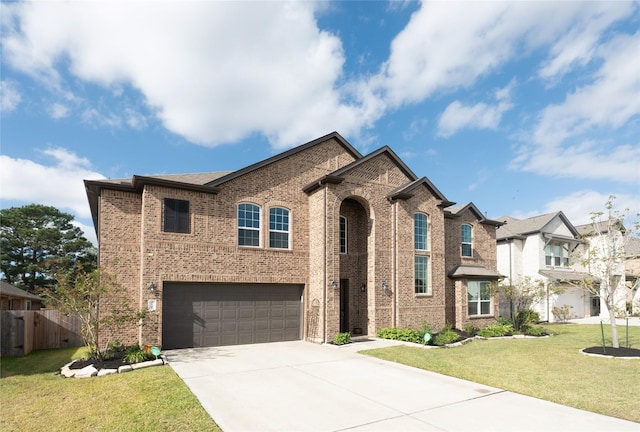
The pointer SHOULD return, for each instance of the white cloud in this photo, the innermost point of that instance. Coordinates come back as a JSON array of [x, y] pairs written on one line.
[[58, 111], [9, 96], [562, 143], [579, 205], [212, 72], [59, 184]]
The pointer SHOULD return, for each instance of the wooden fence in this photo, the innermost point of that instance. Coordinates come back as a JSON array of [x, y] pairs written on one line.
[[24, 331]]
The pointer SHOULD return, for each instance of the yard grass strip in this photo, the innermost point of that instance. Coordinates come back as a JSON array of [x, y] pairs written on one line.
[[547, 368], [34, 396]]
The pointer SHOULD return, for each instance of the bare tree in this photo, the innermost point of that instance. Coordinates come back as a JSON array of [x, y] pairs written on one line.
[[604, 257]]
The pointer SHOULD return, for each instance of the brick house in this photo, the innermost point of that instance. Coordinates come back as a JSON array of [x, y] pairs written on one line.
[[308, 243], [13, 298]]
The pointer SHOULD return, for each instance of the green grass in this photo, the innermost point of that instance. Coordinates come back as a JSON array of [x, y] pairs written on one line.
[[34, 396], [547, 368]]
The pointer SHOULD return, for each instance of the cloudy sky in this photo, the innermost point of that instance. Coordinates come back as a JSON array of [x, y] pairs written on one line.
[[523, 108]]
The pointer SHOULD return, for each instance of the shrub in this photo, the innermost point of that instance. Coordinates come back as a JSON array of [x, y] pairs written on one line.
[[536, 331], [446, 336], [424, 329], [562, 313], [496, 330], [395, 333], [471, 330], [135, 354], [342, 338], [524, 318]]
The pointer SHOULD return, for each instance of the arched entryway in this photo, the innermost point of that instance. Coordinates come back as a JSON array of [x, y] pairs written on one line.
[[355, 228]]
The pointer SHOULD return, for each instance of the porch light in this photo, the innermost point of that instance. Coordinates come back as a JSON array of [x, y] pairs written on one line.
[[385, 287], [363, 288], [152, 287], [334, 284]]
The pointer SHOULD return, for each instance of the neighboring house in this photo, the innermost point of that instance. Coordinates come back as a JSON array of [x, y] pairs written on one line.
[[632, 273], [308, 243], [541, 248], [472, 266], [13, 298], [594, 235]]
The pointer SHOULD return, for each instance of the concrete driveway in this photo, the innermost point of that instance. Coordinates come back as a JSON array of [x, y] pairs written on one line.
[[300, 386]]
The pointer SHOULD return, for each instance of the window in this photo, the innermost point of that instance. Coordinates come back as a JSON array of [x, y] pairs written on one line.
[[278, 228], [556, 254], [420, 230], [248, 225], [176, 216], [343, 235], [479, 297], [467, 241], [421, 274]]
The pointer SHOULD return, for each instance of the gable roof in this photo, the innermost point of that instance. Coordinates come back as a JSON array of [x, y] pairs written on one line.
[[457, 211], [405, 191], [8, 290], [199, 182], [333, 135], [520, 228], [601, 227], [473, 271]]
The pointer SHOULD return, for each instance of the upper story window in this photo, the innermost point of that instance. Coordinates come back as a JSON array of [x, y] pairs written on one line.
[[248, 225], [176, 216], [421, 274], [467, 241], [420, 231], [479, 297], [556, 254], [278, 228], [343, 235]]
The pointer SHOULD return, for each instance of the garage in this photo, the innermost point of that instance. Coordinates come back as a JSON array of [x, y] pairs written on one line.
[[205, 315]]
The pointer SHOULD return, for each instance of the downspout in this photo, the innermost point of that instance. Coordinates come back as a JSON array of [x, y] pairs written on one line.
[[142, 266], [510, 277], [324, 259], [394, 263]]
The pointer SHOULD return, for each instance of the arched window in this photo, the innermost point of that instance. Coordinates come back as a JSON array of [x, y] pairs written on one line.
[[248, 225], [420, 231], [467, 241], [278, 228], [343, 235]]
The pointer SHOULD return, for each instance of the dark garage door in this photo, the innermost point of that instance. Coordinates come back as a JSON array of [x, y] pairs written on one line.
[[203, 315]]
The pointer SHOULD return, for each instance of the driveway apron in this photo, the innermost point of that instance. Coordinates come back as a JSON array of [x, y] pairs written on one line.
[[300, 386]]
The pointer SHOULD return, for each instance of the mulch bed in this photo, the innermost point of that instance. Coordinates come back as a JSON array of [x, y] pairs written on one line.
[[112, 363], [613, 352]]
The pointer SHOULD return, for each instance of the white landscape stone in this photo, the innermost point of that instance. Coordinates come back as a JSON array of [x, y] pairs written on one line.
[[103, 372], [142, 365], [86, 372]]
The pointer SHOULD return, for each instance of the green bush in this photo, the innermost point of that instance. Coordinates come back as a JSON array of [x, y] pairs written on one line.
[[446, 336], [471, 330], [424, 329], [342, 338], [496, 330], [536, 331], [395, 333], [525, 318], [135, 354]]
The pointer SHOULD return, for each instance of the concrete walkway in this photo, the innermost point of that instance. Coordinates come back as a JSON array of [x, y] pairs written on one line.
[[300, 386]]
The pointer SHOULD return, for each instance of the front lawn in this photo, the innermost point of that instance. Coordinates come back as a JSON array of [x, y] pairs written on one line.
[[547, 368], [34, 396]]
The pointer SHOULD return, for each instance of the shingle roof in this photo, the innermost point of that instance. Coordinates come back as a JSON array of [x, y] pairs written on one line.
[[522, 227], [466, 271], [6, 289], [456, 211]]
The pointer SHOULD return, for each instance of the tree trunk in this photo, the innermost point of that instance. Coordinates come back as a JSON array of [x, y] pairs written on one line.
[[614, 328]]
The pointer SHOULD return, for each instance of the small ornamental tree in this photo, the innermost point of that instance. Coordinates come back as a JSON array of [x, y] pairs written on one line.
[[81, 293], [523, 293], [604, 259]]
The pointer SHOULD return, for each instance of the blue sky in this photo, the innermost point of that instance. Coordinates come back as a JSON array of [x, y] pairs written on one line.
[[521, 107]]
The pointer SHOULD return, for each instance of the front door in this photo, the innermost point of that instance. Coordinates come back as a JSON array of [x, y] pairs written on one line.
[[344, 305]]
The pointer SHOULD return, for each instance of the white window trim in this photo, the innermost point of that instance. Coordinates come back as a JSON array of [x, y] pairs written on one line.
[[428, 281], [346, 236], [427, 240], [479, 301], [466, 243], [288, 232], [259, 229]]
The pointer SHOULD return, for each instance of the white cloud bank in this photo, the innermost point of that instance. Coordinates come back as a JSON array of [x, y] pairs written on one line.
[[218, 72], [59, 185]]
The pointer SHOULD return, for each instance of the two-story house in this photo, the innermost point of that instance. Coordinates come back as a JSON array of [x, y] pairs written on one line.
[[541, 248], [317, 240]]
